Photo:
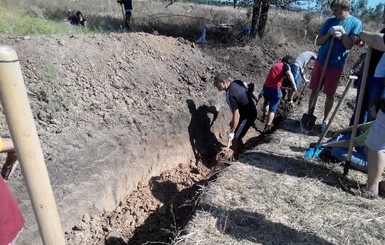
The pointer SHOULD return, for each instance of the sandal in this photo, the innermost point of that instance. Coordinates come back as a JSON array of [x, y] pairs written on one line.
[[363, 192], [7, 171]]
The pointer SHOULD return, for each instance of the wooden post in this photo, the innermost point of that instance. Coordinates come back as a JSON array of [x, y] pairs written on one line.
[[17, 110]]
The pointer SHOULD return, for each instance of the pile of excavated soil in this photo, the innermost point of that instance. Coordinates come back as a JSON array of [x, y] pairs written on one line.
[[125, 118]]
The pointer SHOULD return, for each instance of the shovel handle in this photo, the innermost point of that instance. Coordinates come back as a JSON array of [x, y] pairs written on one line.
[[358, 109], [351, 79]]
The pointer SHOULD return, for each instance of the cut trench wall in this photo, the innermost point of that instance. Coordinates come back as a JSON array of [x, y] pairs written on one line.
[[114, 114], [101, 169]]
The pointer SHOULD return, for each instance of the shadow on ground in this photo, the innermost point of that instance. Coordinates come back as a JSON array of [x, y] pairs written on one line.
[[253, 227]]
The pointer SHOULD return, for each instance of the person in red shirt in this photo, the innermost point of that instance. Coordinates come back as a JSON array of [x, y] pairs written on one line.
[[272, 89], [11, 219]]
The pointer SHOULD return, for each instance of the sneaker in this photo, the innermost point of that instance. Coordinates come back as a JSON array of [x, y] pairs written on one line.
[[323, 126]]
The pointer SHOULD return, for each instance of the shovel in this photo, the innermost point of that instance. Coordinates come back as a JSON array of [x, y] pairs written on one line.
[[308, 120], [299, 99], [358, 111], [313, 153]]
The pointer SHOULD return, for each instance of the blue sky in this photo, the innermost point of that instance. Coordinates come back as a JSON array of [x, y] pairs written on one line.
[[374, 3]]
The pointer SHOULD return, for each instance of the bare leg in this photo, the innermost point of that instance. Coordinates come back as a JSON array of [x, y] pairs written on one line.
[[10, 149], [328, 106], [376, 164], [270, 118]]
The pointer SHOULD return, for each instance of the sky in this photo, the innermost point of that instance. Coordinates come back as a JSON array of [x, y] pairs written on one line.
[[374, 3]]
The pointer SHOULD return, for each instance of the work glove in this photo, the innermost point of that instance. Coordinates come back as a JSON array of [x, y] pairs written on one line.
[[231, 135], [333, 29], [337, 34]]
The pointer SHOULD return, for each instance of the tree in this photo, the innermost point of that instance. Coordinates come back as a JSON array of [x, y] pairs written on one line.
[[259, 18], [260, 13]]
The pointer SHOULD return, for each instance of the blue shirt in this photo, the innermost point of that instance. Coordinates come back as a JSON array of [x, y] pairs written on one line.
[[353, 26]]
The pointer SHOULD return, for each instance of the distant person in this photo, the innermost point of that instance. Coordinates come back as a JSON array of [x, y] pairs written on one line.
[[242, 106], [6, 146], [77, 19], [375, 87], [344, 28], [127, 5], [272, 90], [298, 71]]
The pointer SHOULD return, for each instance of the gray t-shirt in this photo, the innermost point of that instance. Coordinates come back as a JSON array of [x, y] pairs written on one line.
[[303, 58]]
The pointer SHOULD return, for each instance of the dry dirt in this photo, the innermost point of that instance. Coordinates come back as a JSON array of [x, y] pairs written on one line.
[[128, 128]]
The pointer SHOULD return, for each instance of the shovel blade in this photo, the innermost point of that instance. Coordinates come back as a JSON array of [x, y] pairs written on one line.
[[308, 122], [313, 153]]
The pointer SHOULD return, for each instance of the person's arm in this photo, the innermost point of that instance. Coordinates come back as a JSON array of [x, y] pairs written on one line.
[[303, 76], [347, 41], [291, 79], [346, 130], [234, 121], [373, 39], [321, 39], [342, 144]]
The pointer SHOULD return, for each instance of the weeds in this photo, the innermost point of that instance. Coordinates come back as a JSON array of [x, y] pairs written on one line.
[[50, 91]]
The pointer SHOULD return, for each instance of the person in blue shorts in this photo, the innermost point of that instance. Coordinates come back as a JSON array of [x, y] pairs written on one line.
[[242, 106], [298, 70], [344, 28], [272, 90]]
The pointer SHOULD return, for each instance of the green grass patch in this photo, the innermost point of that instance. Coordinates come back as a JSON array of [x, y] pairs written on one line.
[[20, 23]]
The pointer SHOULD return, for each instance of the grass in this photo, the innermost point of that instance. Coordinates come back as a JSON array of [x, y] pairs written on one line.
[[51, 90], [19, 23], [224, 24]]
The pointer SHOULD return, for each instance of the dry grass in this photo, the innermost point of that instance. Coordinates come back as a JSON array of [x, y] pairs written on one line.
[[274, 196], [185, 20]]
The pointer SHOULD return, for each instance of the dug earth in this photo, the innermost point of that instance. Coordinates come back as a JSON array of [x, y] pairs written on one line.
[[130, 126]]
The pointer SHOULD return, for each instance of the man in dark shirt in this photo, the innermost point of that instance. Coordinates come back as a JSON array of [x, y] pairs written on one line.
[[242, 107]]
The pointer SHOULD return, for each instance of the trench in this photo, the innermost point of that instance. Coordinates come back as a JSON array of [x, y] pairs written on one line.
[[159, 209]]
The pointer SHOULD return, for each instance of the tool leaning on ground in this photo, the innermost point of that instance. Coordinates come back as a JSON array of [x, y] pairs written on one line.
[[313, 153], [308, 119], [299, 99], [358, 111]]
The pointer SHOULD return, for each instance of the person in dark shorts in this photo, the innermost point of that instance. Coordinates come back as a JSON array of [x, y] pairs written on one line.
[[272, 89], [242, 106], [127, 4]]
